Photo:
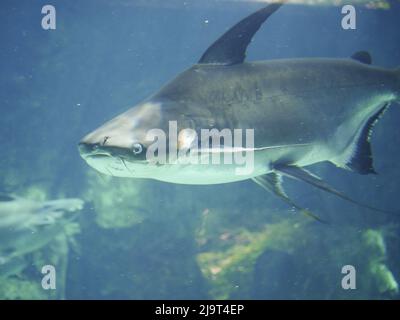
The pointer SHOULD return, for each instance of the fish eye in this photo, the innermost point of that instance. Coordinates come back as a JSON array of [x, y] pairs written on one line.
[[137, 148]]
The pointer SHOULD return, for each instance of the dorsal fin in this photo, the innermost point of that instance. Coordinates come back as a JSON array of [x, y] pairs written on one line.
[[231, 47], [362, 56]]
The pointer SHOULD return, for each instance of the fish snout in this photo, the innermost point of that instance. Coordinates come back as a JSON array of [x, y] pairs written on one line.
[[89, 149], [85, 148], [99, 150], [95, 142]]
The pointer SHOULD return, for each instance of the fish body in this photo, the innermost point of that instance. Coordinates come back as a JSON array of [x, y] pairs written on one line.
[[298, 112]]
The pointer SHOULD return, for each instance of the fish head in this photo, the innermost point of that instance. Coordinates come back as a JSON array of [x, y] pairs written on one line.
[[62, 205], [118, 147]]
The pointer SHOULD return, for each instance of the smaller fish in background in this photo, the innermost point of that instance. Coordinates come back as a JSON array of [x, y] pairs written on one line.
[[27, 226], [20, 213], [12, 267]]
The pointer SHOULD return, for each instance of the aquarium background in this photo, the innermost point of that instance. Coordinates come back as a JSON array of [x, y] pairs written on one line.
[[143, 239]]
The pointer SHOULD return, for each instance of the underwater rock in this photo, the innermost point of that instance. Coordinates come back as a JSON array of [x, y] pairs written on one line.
[[12, 267], [118, 203], [19, 289], [380, 4], [384, 279], [293, 259], [230, 270], [274, 276]]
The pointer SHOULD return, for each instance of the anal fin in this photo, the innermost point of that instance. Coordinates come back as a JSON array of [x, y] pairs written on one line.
[[272, 182], [306, 176]]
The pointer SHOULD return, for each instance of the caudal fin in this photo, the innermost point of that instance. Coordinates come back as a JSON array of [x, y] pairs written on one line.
[[397, 71]]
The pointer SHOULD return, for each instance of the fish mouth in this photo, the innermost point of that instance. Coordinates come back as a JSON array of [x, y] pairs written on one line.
[[92, 152], [110, 160], [97, 156], [87, 150], [98, 151]]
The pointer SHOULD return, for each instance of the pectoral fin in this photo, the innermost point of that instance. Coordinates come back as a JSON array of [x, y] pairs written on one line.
[[272, 182]]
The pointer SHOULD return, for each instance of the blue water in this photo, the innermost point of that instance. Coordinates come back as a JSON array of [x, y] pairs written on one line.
[[143, 239]]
